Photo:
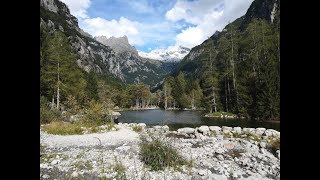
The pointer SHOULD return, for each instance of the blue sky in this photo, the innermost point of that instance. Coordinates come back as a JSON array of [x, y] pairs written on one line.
[[157, 24]]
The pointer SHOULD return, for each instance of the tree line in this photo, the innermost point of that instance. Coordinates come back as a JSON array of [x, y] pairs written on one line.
[[240, 73]]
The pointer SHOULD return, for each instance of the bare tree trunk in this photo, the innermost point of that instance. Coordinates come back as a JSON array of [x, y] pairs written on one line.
[[233, 68], [52, 102], [58, 90], [192, 102], [174, 104], [165, 97], [214, 99], [137, 102], [226, 93], [159, 100]]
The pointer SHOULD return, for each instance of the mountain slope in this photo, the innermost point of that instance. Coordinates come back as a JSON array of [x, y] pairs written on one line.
[[121, 63], [268, 10], [237, 69]]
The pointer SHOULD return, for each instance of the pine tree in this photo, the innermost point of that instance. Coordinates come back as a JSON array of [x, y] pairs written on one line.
[[60, 75]]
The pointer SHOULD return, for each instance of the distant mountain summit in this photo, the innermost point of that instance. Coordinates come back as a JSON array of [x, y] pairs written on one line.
[[172, 54], [119, 45]]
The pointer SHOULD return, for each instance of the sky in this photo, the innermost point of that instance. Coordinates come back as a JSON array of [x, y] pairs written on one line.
[[152, 25]]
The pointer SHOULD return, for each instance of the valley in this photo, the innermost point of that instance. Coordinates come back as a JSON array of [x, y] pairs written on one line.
[[111, 108]]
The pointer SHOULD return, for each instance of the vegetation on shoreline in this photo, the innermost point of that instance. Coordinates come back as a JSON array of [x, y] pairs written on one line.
[[219, 114]]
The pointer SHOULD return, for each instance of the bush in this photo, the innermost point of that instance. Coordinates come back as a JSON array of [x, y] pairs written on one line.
[[159, 155], [63, 128], [46, 114], [94, 114], [120, 169], [137, 128], [274, 145]]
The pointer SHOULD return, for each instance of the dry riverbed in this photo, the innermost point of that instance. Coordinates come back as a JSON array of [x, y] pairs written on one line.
[[215, 153]]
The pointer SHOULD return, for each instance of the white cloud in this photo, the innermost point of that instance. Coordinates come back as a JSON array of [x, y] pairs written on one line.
[[99, 26], [78, 8], [208, 16], [137, 33]]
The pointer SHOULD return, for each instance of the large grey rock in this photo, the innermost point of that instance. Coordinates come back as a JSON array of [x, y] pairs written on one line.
[[227, 128], [55, 161], [202, 172], [75, 174], [263, 144], [204, 130], [142, 125], [216, 129], [186, 130], [248, 130], [278, 153], [220, 157], [260, 131], [272, 132], [219, 150], [237, 130], [45, 176], [165, 128]]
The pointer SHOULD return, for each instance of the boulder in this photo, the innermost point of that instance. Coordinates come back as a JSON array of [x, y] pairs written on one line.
[[55, 161], [142, 125], [186, 130], [204, 130], [278, 153], [237, 130], [216, 129], [263, 144], [75, 174], [220, 157], [227, 128], [202, 172], [260, 131], [248, 130], [220, 151], [272, 132], [165, 128]]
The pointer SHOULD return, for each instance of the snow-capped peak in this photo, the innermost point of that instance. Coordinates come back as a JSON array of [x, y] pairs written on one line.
[[172, 53]]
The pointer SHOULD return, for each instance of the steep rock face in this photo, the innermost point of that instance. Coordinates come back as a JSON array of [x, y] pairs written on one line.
[[262, 9], [119, 45], [114, 57]]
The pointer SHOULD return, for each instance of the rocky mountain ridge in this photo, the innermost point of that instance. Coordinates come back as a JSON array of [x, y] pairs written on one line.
[[121, 62]]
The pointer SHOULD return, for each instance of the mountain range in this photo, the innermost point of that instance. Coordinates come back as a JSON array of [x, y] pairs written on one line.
[[115, 57], [112, 56]]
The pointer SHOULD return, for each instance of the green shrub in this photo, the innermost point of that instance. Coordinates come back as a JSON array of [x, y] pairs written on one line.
[[159, 155], [120, 169], [63, 128], [46, 114], [274, 145], [137, 128], [94, 114]]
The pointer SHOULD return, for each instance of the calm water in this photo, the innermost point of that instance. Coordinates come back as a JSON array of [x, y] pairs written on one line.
[[178, 119]]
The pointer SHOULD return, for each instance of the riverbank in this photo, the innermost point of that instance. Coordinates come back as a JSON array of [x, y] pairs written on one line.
[[215, 153], [135, 109]]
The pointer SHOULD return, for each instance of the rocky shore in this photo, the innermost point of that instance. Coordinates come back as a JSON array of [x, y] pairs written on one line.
[[215, 152]]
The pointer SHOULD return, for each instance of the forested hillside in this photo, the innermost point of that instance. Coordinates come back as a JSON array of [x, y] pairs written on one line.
[[236, 70]]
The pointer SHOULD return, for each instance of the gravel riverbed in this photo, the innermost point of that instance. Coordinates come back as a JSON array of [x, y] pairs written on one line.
[[216, 153]]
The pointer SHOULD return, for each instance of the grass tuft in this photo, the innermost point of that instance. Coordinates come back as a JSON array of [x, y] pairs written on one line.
[[159, 155]]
